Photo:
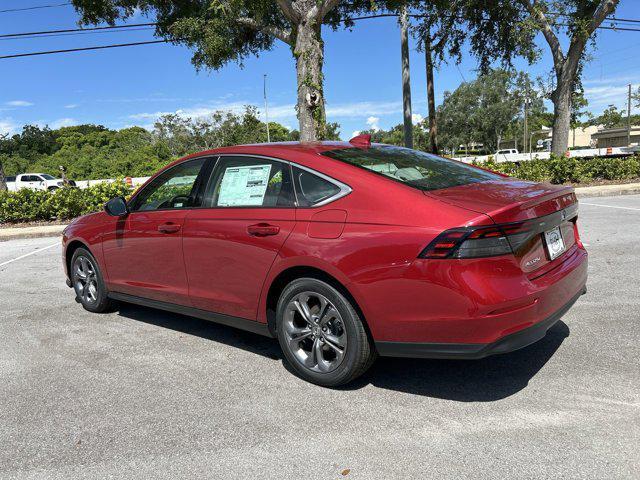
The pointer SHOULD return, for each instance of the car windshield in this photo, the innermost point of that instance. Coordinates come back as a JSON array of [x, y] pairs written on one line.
[[46, 176], [417, 169]]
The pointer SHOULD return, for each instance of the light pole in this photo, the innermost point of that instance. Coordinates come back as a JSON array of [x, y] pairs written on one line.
[[266, 107], [629, 118]]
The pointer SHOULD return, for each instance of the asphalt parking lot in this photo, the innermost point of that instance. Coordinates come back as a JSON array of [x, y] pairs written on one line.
[[145, 394]]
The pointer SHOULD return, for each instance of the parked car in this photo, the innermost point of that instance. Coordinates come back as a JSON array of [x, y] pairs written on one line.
[[507, 151], [342, 251], [34, 181]]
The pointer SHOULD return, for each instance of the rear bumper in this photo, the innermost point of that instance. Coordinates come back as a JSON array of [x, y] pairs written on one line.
[[471, 351]]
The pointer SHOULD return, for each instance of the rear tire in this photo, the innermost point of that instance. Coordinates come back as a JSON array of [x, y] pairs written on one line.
[[321, 334], [88, 283]]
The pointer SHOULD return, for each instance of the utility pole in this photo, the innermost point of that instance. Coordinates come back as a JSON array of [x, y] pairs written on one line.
[[629, 118], [406, 78], [266, 107]]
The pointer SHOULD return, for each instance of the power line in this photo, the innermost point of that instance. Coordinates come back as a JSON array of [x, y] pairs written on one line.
[[76, 33], [84, 49], [68, 30], [24, 9], [102, 47]]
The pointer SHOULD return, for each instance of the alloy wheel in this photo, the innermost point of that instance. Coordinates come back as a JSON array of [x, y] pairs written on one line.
[[85, 279], [315, 332]]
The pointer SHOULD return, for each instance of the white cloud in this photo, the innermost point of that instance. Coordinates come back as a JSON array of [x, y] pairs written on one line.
[[19, 103], [281, 112], [355, 133], [72, 105], [372, 122], [602, 96], [62, 122], [416, 118], [360, 109], [7, 126]]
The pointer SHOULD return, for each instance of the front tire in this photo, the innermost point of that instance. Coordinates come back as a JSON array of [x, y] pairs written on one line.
[[321, 334], [88, 283]]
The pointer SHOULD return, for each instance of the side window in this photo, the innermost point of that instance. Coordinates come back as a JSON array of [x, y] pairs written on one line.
[[250, 182], [311, 188], [174, 188]]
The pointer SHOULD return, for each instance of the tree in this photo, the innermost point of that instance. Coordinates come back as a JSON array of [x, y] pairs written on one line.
[[223, 31], [611, 117], [577, 19], [439, 31], [583, 20], [480, 111], [636, 97], [406, 77], [507, 28]]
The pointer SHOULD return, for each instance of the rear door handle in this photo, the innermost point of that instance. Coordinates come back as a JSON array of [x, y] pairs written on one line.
[[168, 228], [263, 230]]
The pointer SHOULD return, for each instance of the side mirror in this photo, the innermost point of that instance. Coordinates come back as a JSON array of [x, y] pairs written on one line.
[[116, 207]]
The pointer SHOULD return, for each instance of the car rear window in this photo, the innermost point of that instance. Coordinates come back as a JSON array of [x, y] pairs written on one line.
[[414, 168]]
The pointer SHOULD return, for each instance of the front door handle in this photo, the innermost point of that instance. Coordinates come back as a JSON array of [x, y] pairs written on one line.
[[168, 228], [263, 230]]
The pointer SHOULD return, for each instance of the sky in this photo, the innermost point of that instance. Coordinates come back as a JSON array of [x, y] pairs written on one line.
[[123, 87]]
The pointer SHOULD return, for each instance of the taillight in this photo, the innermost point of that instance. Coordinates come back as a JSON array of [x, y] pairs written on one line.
[[576, 234], [476, 242]]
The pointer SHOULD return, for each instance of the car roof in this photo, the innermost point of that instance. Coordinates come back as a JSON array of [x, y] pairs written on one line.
[[279, 147], [283, 150]]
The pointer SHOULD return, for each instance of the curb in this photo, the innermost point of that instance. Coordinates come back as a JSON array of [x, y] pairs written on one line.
[[31, 232], [608, 190]]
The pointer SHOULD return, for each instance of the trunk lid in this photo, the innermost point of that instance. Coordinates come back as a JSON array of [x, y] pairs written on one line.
[[542, 207]]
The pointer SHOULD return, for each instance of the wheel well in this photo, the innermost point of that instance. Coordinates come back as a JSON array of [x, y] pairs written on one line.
[[287, 276], [71, 248]]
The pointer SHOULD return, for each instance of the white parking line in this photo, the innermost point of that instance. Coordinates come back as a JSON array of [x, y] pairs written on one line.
[[609, 206], [29, 254]]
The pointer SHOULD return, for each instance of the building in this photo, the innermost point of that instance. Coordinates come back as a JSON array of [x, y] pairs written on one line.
[[541, 139], [578, 137], [616, 137]]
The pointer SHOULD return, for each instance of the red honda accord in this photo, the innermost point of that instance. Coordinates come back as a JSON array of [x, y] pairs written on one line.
[[342, 251]]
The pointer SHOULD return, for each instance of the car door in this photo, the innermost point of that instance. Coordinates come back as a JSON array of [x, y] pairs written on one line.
[[231, 243], [29, 181], [143, 250]]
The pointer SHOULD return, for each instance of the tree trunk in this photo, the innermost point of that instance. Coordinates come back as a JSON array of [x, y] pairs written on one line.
[[309, 54], [431, 99], [561, 98], [3, 179], [406, 78]]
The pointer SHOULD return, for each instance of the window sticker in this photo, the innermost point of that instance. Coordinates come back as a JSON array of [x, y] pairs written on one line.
[[244, 186]]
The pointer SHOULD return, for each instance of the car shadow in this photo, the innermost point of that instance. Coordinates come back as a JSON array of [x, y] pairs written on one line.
[[251, 342], [486, 380]]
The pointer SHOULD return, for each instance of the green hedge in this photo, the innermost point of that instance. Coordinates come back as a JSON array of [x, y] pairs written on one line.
[[62, 204], [574, 170]]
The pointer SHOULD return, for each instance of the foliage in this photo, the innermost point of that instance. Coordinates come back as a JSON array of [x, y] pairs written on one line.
[[611, 117], [65, 203], [562, 169], [221, 32], [484, 110], [95, 152]]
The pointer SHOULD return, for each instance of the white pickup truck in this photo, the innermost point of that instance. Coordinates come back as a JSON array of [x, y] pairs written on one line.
[[34, 181]]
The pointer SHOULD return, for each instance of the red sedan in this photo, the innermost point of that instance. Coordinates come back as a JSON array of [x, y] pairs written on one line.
[[342, 251]]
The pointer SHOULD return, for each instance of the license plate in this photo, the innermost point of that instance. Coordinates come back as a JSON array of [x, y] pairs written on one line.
[[555, 243]]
